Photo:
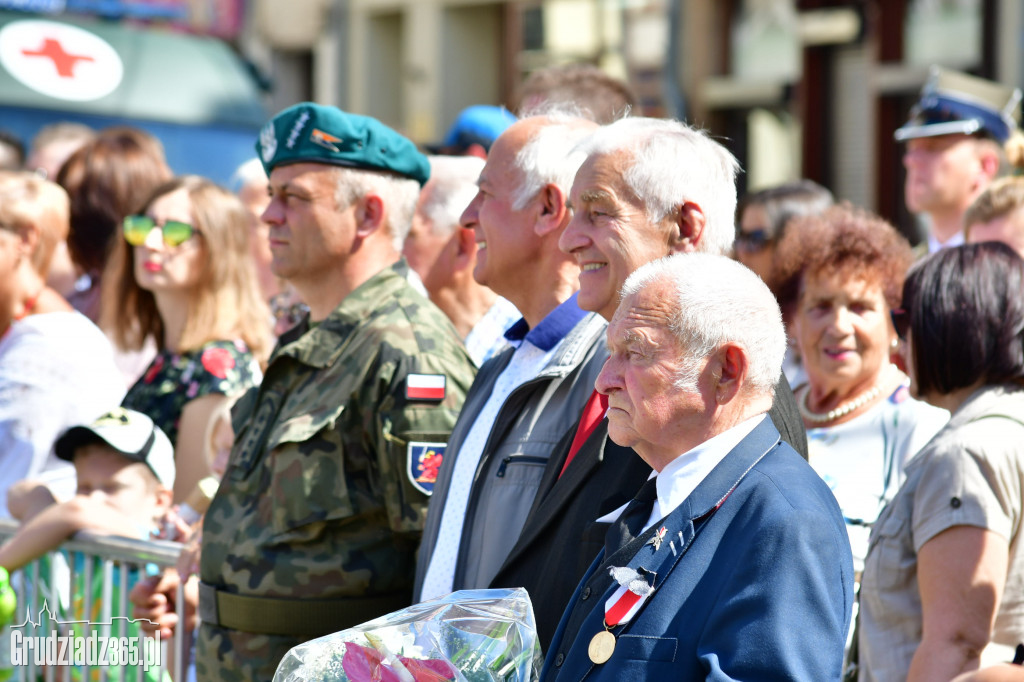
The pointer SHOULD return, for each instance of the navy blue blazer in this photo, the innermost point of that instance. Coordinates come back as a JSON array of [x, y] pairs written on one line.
[[760, 588]]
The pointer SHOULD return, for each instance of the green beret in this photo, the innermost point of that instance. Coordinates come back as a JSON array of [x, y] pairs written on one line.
[[313, 133]]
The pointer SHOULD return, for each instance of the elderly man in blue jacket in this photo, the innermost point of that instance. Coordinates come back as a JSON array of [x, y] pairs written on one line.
[[732, 563]]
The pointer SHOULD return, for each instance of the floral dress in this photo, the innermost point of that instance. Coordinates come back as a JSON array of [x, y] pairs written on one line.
[[174, 379]]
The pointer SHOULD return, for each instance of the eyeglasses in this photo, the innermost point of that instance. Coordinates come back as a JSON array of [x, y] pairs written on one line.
[[900, 322], [753, 241], [174, 232]]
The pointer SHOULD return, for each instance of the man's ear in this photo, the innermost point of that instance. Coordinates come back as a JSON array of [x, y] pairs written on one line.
[[465, 248], [369, 215], [552, 210], [989, 163], [730, 372], [687, 229]]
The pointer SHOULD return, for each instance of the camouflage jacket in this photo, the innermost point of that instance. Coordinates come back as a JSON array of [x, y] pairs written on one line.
[[326, 487]]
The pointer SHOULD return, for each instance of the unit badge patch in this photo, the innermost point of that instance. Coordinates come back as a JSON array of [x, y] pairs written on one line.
[[268, 142], [325, 140], [424, 461]]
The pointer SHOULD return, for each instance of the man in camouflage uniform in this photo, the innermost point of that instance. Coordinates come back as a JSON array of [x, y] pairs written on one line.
[[318, 517]]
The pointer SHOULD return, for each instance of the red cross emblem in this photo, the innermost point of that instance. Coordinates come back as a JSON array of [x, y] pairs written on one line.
[[59, 59], [64, 61]]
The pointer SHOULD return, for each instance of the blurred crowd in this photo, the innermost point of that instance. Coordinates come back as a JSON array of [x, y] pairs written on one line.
[[714, 437]]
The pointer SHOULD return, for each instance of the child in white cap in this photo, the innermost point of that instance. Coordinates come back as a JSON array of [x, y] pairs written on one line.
[[125, 473]]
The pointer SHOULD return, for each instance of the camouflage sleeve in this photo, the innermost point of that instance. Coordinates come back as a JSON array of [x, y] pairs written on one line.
[[412, 428], [243, 407]]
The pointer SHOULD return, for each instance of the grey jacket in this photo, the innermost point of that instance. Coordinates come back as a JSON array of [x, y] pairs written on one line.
[[529, 424]]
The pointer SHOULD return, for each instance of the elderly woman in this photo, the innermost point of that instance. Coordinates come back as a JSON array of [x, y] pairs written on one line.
[[183, 274], [943, 587], [56, 367], [838, 275]]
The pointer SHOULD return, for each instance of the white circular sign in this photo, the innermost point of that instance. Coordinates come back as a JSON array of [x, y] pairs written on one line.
[[60, 60]]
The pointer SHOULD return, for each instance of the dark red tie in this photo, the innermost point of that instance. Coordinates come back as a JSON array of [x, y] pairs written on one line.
[[593, 413]]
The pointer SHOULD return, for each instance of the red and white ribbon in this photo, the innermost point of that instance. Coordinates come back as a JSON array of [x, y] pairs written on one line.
[[622, 606]]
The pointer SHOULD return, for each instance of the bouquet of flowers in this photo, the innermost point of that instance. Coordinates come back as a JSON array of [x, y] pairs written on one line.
[[466, 636]]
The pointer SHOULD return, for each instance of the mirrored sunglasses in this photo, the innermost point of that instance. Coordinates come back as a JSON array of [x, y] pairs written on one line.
[[753, 241], [174, 232]]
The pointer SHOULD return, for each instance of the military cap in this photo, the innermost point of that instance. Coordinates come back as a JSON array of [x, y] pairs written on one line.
[[314, 133], [953, 102]]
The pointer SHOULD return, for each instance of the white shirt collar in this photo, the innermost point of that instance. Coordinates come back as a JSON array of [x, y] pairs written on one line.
[[681, 476], [935, 245]]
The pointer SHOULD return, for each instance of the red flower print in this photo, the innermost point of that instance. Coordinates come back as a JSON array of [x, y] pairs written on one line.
[[153, 370], [217, 362]]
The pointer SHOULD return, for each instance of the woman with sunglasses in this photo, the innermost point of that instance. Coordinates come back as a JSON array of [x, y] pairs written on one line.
[[838, 275], [943, 588], [183, 275]]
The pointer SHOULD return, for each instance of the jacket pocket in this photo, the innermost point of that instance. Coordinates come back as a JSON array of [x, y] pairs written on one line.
[[517, 460], [890, 558], [645, 648], [307, 472]]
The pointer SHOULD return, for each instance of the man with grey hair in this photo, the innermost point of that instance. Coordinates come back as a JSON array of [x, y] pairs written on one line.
[[524, 399], [732, 561], [648, 188], [443, 254]]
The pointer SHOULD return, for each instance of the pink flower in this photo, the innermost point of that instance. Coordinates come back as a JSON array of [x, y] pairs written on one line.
[[362, 663], [217, 361]]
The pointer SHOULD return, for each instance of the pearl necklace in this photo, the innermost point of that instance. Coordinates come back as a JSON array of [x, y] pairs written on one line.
[[841, 411]]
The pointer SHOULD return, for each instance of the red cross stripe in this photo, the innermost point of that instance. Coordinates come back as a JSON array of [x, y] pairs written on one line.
[[64, 61]]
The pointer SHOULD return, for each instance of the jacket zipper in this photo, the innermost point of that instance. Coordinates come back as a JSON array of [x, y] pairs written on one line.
[[519, 459]]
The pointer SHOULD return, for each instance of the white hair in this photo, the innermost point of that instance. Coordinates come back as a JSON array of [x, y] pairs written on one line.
[[671, 164], [398, 193], [248, 173], [452, 186], [550, 156], [719, 301]]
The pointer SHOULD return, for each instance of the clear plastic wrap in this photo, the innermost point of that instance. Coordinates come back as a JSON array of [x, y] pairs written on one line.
[[466, 636]]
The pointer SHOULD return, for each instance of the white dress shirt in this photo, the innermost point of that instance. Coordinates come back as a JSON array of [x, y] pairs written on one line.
[[524, 365], [681, 476]]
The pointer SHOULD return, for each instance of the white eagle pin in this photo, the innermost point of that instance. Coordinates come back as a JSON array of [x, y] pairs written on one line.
[[657, 538]]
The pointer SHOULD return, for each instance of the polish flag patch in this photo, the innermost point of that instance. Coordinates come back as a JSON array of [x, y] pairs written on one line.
[[425, 386]]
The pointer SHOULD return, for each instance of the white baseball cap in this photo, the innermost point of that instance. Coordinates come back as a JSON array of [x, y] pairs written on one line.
[[132, 434]]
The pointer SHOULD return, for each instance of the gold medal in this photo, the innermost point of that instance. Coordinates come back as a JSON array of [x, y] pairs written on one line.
[[601, 647]]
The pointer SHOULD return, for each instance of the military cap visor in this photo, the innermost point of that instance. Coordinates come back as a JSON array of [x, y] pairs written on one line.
[[947, 116], [953, 102], [313, 133]]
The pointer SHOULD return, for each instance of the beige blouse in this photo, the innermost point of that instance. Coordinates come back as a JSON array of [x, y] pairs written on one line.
[[971, 473]]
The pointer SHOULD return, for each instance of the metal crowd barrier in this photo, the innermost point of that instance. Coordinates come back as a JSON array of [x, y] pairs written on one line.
[[115, 554]]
